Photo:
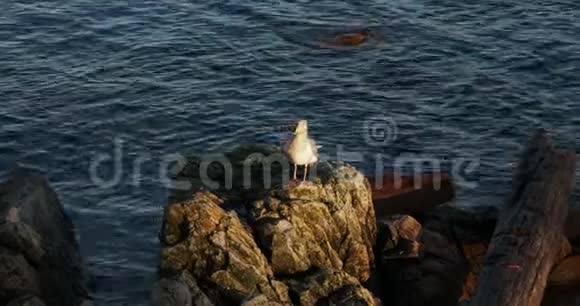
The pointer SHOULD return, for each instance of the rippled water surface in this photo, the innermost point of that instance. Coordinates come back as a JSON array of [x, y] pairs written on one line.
[[463, 81]]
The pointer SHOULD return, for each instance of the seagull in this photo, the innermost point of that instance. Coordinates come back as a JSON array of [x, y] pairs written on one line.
[[301, 149]]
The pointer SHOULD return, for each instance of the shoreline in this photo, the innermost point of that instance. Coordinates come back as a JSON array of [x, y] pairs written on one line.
[[419, 234]]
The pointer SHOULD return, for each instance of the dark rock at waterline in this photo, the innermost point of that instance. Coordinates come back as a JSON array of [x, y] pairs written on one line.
[[39, 256], [451, 244], [471, 230], [398, 237], [259, 245], [237, 175]]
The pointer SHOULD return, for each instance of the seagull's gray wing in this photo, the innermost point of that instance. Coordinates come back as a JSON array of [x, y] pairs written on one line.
[[314, 146]]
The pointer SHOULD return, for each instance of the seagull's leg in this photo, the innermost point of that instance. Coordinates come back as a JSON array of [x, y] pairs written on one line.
[[295, 168], [305, 171]]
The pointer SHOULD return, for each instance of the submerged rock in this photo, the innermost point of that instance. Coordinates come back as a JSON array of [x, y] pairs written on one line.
[[249, 241], [39, 254]]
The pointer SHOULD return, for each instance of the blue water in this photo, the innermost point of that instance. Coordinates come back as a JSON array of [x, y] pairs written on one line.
[[463, 81]]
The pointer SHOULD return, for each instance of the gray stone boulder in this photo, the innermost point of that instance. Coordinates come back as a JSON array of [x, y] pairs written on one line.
[[254, 242], [39, 256]]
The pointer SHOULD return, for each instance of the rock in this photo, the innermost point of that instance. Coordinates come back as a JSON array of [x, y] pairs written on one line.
[[217, 250], [179, 290], [237, 175], [349, 296], [329, 223], [399, 237], [22, 238], [329, 287], [28, 300], [175, 291], [438, 274], [16, 276], [33, 224], [259, 300], [246, 240]]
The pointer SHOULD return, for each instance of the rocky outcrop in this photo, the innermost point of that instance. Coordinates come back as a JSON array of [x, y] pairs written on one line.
[[327, 224], [282, 244], [213, 245], [39, 256]]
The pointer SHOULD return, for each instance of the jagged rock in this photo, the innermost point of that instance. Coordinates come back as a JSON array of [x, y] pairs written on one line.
[[16, 276], [329, 223], [259, 300], [398, 237], [244, 241], [179, 290], [21, 237], [34, 226], [213, 245], [329, 287], [237, 175]]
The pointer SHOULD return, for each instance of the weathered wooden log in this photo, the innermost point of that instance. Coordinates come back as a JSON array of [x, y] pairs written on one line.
[[408, 194], [528, 237]]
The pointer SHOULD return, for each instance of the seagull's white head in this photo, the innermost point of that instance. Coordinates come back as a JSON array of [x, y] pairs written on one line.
[[301, 127]]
